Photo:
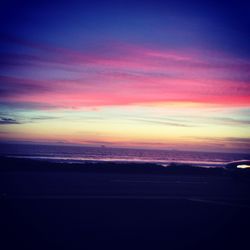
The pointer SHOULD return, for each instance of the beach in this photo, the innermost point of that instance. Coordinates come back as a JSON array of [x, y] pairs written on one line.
[[57, 206]]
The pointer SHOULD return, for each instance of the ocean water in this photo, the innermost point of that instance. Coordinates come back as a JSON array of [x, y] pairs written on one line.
[[77, 154]]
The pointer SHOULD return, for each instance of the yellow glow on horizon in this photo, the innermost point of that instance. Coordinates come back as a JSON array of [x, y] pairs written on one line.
[[118, 130], [134, 126]]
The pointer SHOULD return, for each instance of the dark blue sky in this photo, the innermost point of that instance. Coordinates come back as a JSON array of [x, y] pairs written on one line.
[[220, 25]]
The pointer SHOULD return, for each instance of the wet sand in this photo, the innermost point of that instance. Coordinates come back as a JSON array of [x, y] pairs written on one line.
[[58, 209]]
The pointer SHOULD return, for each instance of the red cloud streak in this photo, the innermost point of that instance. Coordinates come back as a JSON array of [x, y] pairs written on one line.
[[128, 75]]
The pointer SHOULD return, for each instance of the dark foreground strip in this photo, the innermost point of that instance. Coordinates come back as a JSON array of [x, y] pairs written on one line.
[[121, 197]]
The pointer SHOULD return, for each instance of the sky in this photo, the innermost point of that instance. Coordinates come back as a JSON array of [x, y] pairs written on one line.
[[140, 74]]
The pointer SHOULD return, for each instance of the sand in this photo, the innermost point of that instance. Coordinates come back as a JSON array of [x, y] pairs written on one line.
[[47, 207]]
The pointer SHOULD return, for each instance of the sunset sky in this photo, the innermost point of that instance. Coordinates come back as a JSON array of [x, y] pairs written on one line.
[[144, 74]]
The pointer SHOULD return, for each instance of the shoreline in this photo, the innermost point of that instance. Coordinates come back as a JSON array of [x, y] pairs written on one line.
[[84, 160], [28, 164]]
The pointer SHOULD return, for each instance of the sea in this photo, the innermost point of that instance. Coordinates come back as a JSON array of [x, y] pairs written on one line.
[[81, 154]]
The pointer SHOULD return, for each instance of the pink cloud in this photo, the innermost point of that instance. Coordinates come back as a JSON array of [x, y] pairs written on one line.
[[129, 75], [134, 91]]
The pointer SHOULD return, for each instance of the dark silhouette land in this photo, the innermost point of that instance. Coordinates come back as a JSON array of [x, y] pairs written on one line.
[[114, 206]]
